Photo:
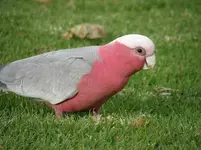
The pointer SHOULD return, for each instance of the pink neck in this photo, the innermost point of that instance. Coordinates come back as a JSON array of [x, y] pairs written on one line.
[[121, 59]]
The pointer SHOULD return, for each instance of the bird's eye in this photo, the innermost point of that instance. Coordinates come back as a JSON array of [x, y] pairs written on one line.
[[140, 51]]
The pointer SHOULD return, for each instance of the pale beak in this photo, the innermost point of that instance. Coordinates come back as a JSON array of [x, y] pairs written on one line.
[[150, 62]]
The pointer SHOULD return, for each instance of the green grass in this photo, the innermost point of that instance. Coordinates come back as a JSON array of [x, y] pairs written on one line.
[[173, 122]]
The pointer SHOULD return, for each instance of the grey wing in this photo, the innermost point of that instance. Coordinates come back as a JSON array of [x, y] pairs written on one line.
[[53, 82]]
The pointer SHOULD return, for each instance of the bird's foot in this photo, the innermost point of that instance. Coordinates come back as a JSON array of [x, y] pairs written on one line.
[[58, 112], [96, 118], [96, 114]]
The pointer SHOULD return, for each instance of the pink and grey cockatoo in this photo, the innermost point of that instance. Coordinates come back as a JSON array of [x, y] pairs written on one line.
[[79, 79]]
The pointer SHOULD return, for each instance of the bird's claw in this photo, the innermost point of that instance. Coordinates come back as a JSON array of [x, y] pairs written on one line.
[[96, 115]]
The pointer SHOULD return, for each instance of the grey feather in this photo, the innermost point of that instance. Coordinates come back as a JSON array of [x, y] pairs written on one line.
[[51, 76], [1, 67], [2, 86]]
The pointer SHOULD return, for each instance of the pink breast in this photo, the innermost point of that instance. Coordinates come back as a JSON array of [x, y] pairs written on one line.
[[95, 88]]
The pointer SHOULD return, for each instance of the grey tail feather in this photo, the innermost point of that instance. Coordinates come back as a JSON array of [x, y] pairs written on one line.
[[2, 85]]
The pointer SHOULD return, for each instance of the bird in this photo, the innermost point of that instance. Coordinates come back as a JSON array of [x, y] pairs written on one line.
[[82, 78]]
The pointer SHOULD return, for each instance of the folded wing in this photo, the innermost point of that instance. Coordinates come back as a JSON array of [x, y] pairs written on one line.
[[53, 80]]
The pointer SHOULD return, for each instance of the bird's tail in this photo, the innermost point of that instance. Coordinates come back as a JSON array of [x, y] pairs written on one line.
[[2, 85]]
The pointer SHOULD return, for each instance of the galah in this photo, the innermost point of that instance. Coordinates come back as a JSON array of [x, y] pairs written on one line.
[[79, 79]]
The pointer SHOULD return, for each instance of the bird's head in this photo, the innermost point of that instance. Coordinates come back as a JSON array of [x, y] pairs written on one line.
[[140, 46]]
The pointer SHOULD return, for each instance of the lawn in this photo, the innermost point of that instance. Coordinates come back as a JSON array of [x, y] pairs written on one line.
[[139, 117]]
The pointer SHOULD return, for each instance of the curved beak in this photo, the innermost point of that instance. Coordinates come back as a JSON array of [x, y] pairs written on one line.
[[150, 62]]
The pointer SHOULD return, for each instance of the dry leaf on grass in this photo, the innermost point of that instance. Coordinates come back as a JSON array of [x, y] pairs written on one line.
[[138, 123], [67, 35], [1, 146], [118, 137], [88, 31]]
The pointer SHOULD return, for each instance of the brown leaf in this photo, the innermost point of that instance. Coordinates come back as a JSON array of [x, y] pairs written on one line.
[[117, 137], [67, 36], [1, 146], [88, 31], [138, 123]]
